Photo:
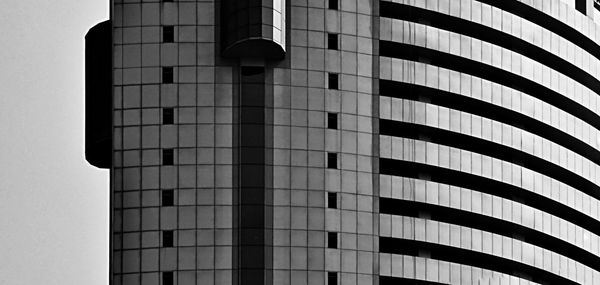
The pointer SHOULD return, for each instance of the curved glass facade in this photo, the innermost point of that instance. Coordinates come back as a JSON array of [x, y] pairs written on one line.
[[355, 142], [488, 143]]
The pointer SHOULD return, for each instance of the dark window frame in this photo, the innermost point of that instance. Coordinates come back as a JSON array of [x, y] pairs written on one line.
[[168, 198], [332, 41], [331, 200], [168, 34], [332, 240], [332, 160], [332, 121], [167, 278], [168, 75], [332, 278], [168, 117], [333, 5], [168, 156], [168, 238], [333, 81]]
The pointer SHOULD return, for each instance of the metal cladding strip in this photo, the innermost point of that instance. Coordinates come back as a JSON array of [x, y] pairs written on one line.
[[449, 215], [403, 168], [251, 207], [468, 257], [390, 280]]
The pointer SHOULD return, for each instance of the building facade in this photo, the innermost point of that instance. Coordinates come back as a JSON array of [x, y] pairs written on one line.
[[348, 141]]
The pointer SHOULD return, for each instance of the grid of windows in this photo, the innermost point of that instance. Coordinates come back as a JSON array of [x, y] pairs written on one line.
[[304, 95], [197, 200], [197, 144], [331, 50]]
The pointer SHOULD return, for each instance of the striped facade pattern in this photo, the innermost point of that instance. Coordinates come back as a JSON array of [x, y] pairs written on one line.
[[489, 143]]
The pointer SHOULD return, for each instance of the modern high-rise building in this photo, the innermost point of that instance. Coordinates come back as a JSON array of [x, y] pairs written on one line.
[[349, 142]]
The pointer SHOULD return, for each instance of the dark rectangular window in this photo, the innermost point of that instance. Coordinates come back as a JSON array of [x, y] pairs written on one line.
[[332, 200], [167, 278], [168, 34], [333, 81], [168, 116], [331, 240], [580, 5], [332, 41], [332, 121], [332, 160], [333, 4], [168, 198], [167, 156], [167, 239], [332, 278], [167, 74]]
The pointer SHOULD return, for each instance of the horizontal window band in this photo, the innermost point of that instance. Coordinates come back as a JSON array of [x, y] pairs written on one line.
[[492, 149], [471, 258], [494, 74], [489, 224], [390, 280], [542, 19], [438, 174], [490, 35], [454, 101]]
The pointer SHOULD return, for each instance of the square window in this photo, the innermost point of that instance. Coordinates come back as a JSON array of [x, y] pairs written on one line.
[[332, 200], [333, 81], [168, 198], [332, 278], [168, 34], [168, 116], [167, 74], [167, 278], [167, 156], [332, 121], [167, 238], [332, 160], [333, 4], [332, 41], [331, 240]]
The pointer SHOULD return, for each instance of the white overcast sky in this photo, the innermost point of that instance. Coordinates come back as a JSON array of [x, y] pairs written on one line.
[[53, 205]]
